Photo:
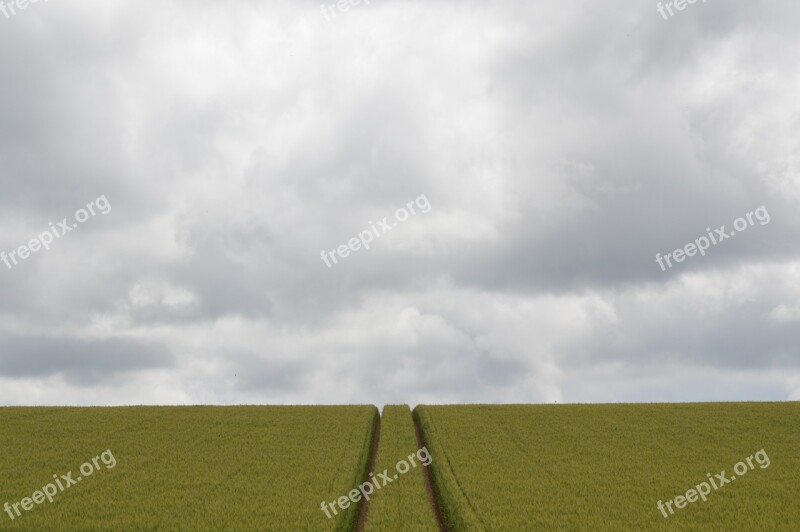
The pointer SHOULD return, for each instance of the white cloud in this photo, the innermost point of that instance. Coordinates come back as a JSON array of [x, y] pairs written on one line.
[[561, 148]]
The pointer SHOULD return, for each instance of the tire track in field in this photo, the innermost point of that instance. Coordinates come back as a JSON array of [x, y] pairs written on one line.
[[432, 498], [376, 438]]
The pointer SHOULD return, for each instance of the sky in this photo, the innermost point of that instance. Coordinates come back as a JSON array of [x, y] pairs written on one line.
[[439, 201]]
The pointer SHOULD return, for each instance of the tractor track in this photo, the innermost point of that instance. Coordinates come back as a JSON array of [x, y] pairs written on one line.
[[376, 438], [433, 499]]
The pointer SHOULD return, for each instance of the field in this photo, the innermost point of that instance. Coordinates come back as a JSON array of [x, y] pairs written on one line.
[[403, 504], [604, 467], [514, 467], [187, 468]]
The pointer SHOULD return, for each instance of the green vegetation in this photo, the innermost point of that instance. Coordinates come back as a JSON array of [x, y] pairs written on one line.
[[403, 504], [606, 466], [545, 467], [187, 468]]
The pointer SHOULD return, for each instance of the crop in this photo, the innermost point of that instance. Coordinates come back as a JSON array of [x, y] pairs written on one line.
[[512, 467], [186, 468], [553, 467], [403, 504]]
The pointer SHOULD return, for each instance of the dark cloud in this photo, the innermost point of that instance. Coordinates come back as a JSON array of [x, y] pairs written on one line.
[[80, 362]]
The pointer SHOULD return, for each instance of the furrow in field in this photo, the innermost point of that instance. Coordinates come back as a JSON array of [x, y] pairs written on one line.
[[458, 511], [402, 503]]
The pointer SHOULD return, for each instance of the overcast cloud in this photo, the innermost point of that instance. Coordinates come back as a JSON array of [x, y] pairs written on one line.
[[560, 145]]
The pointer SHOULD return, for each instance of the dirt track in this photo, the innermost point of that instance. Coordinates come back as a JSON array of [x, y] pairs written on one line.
[[362, 513], [434, 501]]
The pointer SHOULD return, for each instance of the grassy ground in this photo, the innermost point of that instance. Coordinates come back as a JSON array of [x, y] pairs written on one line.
[[566, 467], [188, 468], [605, 466], [403, 504]]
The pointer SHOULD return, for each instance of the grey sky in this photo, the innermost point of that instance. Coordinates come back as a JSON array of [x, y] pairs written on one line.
[[561, 147]]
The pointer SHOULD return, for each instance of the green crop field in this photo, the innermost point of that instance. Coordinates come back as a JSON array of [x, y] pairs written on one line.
[[514, 467], [187, 468], [605, 467], [403, 504]]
